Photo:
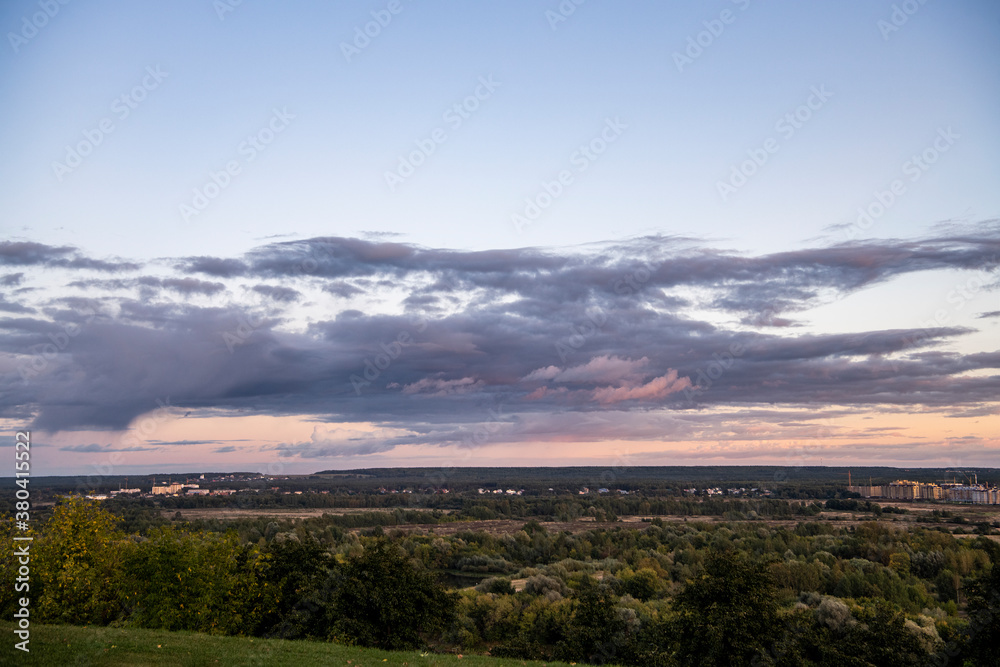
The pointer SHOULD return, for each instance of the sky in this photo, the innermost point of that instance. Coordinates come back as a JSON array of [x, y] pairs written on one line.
[[287, 237]]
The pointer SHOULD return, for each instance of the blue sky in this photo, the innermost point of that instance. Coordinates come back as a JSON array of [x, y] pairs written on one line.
[[353, 119], [667, 124]]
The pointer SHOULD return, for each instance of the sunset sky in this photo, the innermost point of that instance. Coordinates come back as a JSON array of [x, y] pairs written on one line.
[[253, 237]]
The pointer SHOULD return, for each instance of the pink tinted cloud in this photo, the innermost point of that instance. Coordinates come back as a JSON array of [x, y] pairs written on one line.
[[655, 388], [539, 374]]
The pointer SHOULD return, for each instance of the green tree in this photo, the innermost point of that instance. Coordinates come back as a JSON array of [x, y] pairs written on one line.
[[596, 633], [193, 581], [729, 614], [643, 585], [983, 634], [297, 581], [77, 560], [383, 600], [879, 638]]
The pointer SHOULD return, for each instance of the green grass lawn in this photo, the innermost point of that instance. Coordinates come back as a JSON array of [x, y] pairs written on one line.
[[72, 646]]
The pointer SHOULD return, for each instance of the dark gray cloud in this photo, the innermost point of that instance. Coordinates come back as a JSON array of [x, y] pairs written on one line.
[[27, 253], [775, 283], [192, 286], [342, 289], [183, 443], [282, 294], [23, 253], [13, 307], [592, 342], [213, 266], [94, 448], [150, 285]]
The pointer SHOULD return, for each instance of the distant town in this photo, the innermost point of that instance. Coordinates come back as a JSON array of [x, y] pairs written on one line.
[[929, 485], [970, 491], [188, 488]]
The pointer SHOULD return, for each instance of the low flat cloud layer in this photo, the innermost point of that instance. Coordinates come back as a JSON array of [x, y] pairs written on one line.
[[632, 340]]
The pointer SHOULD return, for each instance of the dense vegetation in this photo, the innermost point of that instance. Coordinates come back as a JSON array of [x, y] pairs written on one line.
[[660, 593]]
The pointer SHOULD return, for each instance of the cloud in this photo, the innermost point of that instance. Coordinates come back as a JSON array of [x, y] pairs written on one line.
[[281, 294], [28, 253], [342, 289], [13, 307], [540, 374], [14, 253], [604, 368], [186, 286], [558, 337], [213, 266], [438, 387], [183, 442], [96, 448], [345, 442], [656, 388]]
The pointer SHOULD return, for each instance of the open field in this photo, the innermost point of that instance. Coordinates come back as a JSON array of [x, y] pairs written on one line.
[[72, 646], [979, 512], [279, 513], [972, 514]]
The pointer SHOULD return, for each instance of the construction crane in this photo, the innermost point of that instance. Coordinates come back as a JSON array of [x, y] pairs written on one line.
[[971, 481]]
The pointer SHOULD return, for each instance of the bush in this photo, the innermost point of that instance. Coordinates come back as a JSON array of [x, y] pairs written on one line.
[[541, 584], [496, 585]]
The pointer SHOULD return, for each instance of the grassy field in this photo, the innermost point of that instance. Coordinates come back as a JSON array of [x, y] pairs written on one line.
[[72, 646]]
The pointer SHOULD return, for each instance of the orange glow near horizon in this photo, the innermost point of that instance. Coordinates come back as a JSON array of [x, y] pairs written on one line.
[[236, 442]]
